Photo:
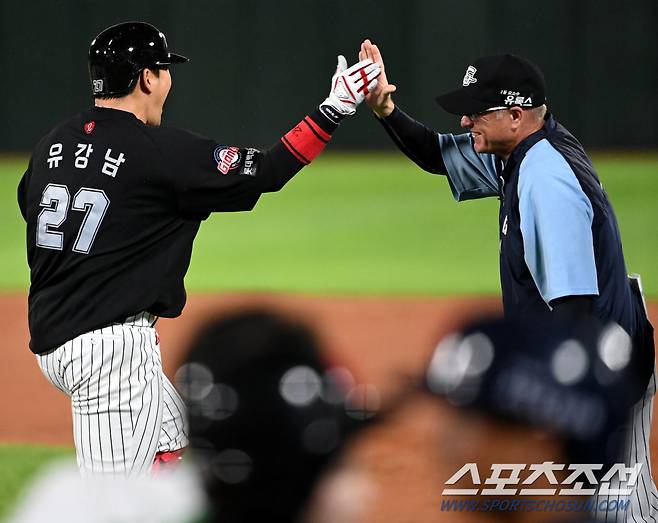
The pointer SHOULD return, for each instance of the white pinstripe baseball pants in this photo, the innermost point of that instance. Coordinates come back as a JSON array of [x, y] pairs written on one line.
[[124, 407], [643, 506]]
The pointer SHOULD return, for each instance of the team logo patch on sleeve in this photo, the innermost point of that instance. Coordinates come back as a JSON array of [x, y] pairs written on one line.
[[227, 158]]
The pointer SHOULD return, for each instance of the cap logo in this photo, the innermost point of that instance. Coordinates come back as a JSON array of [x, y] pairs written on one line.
[[98, 86], [516, 98], [469, 77]]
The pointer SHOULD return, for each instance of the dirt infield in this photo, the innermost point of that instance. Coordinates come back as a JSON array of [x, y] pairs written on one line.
[[382, 340]]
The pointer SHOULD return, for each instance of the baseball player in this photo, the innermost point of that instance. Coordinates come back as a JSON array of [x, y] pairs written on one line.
[[560, 247], [112, 202]]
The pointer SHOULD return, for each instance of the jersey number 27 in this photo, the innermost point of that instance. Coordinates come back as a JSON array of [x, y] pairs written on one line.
[[55, 200]]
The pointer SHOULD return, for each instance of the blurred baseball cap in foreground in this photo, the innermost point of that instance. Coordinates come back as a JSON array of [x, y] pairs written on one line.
[[575, 381], [267, 414]]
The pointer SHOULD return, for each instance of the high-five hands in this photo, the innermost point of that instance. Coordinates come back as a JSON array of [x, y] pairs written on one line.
[[379, 99], [349, 87]]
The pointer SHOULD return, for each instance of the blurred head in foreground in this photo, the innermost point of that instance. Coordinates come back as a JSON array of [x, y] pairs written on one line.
[[268, 421], [527, 394]]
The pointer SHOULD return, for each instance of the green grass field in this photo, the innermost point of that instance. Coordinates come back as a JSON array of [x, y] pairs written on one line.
[[366, 224], [18, 463]]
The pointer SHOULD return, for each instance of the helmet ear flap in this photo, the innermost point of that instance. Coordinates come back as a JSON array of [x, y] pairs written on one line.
[[115, 77]]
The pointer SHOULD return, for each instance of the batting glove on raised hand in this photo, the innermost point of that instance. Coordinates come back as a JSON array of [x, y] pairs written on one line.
[[349, 87]]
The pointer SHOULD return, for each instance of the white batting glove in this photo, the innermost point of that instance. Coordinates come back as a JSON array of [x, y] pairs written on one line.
[[349, 87]]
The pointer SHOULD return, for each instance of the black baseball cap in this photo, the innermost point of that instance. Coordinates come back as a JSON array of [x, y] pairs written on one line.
[[496, 81]]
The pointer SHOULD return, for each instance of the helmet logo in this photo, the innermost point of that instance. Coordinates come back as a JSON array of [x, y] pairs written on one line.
[[97, 86], [89, 127]]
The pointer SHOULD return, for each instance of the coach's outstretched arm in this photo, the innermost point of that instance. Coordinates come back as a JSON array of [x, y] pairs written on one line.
[[414, 139], [470, 175]]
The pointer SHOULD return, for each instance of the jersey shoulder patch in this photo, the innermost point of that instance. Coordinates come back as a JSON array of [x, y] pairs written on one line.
[[233, 160]]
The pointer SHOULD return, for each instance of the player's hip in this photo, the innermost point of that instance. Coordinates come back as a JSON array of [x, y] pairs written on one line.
[[122, 353]]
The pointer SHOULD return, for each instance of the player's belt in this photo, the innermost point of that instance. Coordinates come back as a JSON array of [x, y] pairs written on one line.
[[141, 319]]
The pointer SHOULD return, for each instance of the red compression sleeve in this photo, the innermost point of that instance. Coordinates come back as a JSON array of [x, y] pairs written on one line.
[[309, 137]]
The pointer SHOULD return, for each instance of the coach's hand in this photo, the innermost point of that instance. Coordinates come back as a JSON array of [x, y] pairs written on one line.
[[379, 99], [349, 86]]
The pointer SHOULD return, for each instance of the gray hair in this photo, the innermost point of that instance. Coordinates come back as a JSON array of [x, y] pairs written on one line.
[[539, 112]]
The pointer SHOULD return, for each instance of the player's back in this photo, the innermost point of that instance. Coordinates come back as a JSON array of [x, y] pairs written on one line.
[[104, 237]]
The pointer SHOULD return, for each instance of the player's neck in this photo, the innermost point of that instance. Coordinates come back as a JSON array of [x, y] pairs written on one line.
[[126, 103]]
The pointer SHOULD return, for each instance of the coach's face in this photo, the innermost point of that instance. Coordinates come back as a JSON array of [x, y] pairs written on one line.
[[494, 131]]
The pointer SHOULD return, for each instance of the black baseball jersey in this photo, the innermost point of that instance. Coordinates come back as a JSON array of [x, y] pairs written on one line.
[[112, 207]]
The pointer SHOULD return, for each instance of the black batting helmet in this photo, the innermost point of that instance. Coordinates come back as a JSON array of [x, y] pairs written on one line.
[[119, 54]]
